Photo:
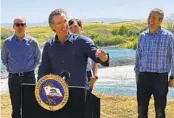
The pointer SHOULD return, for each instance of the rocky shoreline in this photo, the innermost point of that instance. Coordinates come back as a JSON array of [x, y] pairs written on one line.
[[4, 74], [113, 63]]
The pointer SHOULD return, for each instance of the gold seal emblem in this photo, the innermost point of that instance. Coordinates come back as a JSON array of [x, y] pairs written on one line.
[[51, 92]]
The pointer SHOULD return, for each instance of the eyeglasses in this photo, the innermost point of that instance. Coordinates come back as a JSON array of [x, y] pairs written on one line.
[[20, 24]]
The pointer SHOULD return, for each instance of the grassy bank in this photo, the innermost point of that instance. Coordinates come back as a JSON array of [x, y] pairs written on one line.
[[121, 35], [111, 107]]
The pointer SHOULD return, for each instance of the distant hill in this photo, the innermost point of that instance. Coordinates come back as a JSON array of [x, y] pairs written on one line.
[[104, 20], [86, 20], [28, 24]]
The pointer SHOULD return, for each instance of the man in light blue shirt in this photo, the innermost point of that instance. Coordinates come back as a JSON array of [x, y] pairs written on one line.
[[154, 61], [20, 53]]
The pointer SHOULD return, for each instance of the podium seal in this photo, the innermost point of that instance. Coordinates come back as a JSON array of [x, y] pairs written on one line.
[[51, 92]]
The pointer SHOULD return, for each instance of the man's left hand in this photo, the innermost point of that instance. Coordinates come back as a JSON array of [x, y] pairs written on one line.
[[101, 54]]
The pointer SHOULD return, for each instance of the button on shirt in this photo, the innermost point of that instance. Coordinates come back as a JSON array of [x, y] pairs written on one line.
[[155, 52], [71, 56], [20, 55]]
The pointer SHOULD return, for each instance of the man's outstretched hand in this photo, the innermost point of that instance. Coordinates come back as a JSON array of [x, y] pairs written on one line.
[[102, 55]]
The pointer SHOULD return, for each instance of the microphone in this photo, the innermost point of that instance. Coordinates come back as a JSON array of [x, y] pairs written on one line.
[[65, 74]]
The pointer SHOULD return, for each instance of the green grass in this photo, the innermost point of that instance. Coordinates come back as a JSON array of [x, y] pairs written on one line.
[[122, 34]]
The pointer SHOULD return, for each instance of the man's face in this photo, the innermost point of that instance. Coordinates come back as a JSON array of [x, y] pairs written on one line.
[[60, 24], [75, 28], [154, 21], [19, 26]]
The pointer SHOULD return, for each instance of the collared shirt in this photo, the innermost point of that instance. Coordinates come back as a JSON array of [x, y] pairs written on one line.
[[89, 65], [155, 52], [71, 56], [20, 55]]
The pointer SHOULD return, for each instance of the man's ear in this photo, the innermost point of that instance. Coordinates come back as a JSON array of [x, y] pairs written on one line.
[[52, 27], [13, 26], [161, 20]]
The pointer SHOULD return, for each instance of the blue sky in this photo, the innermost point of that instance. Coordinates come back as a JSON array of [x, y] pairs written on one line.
[[39, 10]]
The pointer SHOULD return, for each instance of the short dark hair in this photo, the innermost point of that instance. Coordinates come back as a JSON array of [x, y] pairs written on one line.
[[72, 21], [159, 11], [54, 13]]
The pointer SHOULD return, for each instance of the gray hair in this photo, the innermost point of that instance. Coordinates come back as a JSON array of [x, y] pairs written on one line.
[[55, 13], [159, 11]]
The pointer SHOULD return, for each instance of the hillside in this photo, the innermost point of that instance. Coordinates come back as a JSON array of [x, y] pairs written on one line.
[[119, 34]]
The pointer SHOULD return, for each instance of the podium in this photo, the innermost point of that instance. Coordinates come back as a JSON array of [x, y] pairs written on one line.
[[81, 104]]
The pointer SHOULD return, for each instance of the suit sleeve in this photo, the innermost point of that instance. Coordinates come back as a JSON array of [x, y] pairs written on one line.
[[90, 50]]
